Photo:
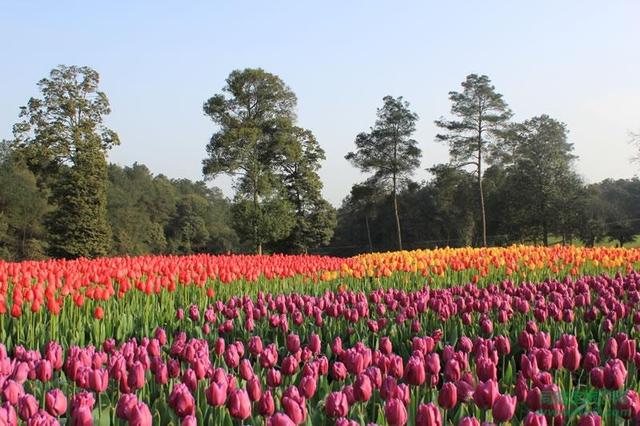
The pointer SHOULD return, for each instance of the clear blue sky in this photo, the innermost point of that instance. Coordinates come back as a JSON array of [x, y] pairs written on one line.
[[578, 61]]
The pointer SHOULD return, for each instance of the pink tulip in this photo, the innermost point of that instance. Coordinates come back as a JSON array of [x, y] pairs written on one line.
[[181, 400], [395, 412], [428, 415], [535, 419], [336, 405], [254, 390], [27, 407], [140, 415], [591, 419], [55, 402], [415, 373], [189, 420], [216, 393], [8, 415], [504, 408], [266, 405], [448, 396], [125, 404], [239, 404], [280, 419], [485, 394]]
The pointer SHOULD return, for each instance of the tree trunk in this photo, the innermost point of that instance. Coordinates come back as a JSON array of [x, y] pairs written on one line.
[[256, 238], [366, 223], [484, 217], [395, 211]]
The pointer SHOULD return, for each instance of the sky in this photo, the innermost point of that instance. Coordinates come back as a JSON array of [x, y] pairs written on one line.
[[578, 61]]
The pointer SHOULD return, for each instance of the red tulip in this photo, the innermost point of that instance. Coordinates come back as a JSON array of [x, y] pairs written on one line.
[[98, 313]]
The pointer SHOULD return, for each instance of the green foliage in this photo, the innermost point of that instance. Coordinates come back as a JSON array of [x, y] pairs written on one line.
[[22, 210], [619, 208], [256, 116], [388, 151], [153, 214], [278, 191], [315, 218], [540, 185], [481, 115], [78, 226], [62, 140]]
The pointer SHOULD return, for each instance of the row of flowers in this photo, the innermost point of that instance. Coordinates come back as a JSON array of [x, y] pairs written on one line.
[[464, 354]]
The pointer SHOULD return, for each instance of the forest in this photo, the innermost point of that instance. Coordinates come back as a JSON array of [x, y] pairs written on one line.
[[506, 182]]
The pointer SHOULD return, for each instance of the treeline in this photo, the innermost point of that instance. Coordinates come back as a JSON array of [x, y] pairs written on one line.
[[506, 182], [146, 214]]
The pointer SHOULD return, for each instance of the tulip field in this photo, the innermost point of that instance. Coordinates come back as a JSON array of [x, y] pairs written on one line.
[[520, 335]]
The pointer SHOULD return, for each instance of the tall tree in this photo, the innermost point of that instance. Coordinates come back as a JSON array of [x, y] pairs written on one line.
[[539, 160], [62, 139], [364, 197], [634, 139], [255, 113], [480, 115], [315, 220], [388, 149]]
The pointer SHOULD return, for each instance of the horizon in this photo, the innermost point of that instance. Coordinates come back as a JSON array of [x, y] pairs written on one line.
[[157, 79]]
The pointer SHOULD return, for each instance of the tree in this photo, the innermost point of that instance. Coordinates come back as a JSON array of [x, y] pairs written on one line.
[[538, 159], [634, 139], [481, 116], [364, 197], [22, 211], [451, 189], [388, 149], [63, 141], [255, 113], [315, 218], [621, 200]]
